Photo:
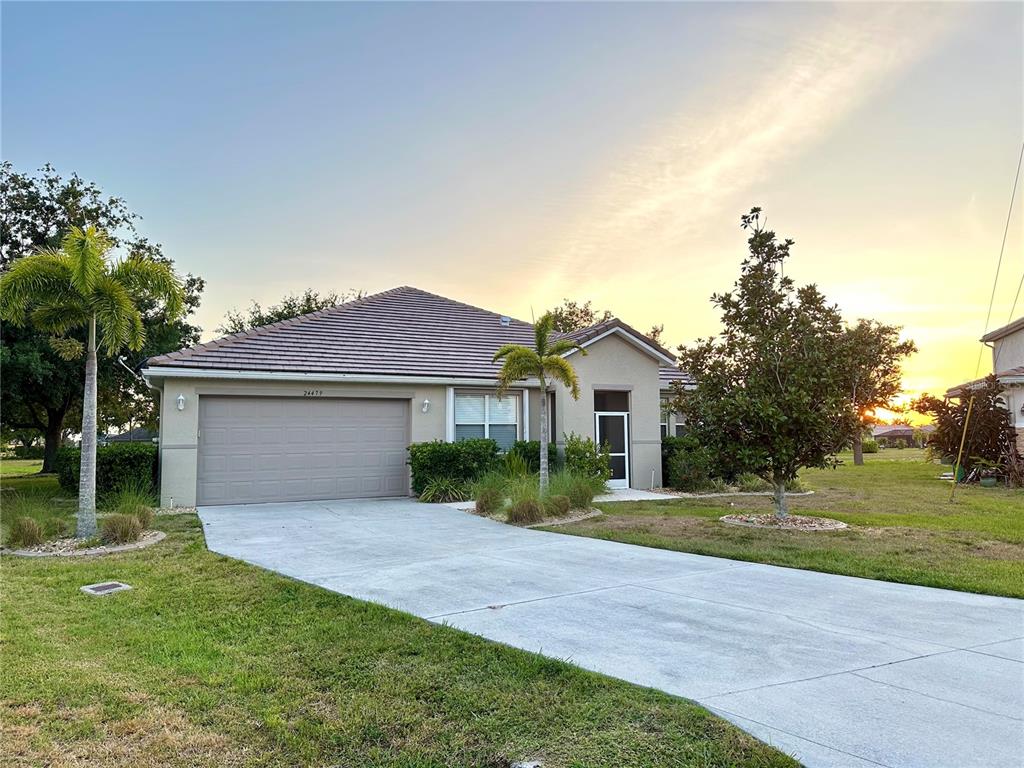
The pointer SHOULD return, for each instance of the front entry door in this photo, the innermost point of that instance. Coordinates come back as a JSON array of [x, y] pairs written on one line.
[[613, 428]]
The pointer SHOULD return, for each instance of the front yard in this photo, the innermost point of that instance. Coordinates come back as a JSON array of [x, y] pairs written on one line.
[[903, 527], [208, 661]]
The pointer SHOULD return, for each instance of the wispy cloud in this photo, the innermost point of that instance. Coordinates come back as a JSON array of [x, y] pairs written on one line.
[[695, 166]]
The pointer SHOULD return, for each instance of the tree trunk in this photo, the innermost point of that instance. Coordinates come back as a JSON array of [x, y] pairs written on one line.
[[87, 479], [779, 497], [543, 436], [858, 448], [51, 441]]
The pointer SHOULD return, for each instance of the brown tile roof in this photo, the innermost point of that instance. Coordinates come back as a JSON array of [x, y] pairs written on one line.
[[1006, 330], [668, 375], [1010, 373], [400, 332]]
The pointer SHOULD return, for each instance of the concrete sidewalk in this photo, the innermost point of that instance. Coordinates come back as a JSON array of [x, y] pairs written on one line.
[[835, 670]]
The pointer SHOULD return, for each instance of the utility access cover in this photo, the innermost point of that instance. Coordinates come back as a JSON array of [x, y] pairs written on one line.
[[104, 588]]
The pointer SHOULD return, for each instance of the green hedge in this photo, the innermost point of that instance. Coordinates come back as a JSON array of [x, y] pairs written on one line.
[[30, 452], [463, 461], [530, 451], [117, 465], [583, 457]]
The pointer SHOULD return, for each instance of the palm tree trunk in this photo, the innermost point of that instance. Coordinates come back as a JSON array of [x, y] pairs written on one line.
[[544, 438], [87, 478]]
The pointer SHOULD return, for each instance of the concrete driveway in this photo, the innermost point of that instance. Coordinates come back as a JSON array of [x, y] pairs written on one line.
[[835, 670]]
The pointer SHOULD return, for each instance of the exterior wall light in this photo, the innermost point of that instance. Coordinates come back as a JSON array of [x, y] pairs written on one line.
[[426, 406], [181, 402]]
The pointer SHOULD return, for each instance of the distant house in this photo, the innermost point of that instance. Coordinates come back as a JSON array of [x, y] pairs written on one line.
[[1007, 345], [890, 435], [137, 435]]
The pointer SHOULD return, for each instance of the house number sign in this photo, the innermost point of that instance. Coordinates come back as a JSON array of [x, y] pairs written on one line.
[[312, 393]]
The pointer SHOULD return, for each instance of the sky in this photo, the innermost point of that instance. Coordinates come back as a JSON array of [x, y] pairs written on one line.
[[511, 155]]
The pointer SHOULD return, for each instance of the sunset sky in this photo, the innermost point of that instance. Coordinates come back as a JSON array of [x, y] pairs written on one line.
[[512, 155]]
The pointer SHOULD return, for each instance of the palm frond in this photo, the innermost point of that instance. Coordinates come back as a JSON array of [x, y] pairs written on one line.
[[66, 349], [542, 331], [562, 346], [115, 314], [146, 277], [521, 363], [32, 280], [61, 314], [505, 350], [86, 251], [559, 369]]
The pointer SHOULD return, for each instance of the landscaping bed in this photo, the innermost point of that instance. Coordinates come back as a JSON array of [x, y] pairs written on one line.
[[72, 547], [789, 523]]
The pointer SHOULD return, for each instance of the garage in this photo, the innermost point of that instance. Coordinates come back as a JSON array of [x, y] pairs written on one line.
[[263, 449]]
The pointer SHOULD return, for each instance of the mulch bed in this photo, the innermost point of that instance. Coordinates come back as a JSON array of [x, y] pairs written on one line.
[[573, 517], [71, 547], [791, 523]]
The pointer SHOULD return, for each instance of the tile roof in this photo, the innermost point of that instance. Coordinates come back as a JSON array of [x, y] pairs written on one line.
[[1006, 330], [400, 332], [671, 374]]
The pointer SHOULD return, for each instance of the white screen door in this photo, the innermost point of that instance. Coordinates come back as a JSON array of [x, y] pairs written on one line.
[[612, 427]]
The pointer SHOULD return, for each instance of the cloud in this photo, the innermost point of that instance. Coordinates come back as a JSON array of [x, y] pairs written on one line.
[[696, 166]]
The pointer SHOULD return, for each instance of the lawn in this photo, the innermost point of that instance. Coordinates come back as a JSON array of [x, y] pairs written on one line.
[[19, 467], [903, 527], [208, 661]]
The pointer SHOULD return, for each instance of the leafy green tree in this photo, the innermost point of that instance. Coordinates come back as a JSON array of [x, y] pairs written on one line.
[[873, 352], [40, 391], [291, 306], [771, 394], [570, 316], [544, 362], [57, 291], [990, 435]]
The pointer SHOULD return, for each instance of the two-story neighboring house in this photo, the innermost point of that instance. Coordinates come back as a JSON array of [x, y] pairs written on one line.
[[1007, 345]]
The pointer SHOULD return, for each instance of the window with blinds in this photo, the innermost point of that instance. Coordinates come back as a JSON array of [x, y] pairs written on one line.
[[487, 416]]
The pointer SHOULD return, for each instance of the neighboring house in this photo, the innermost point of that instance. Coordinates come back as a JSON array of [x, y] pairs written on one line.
[[137, 435], [1008, 365], [672, 423], [323, 406], [889, 435]]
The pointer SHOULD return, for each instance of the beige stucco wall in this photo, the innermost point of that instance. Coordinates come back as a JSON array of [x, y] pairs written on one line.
[[613, 363], [179, 430], [1008, 352]]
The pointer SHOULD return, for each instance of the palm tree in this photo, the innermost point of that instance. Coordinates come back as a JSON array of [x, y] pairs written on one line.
[[545, 362], [78, 286]]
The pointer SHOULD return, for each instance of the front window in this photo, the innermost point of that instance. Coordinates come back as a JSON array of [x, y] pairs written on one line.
[[487, 416]]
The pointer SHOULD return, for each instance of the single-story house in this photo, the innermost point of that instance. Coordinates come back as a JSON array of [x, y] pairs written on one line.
[[324, 405], [891, 434], [137, 435], [1007, 345]]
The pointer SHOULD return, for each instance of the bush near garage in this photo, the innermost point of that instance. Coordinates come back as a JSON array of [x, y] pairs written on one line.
[[871, 446], [118, 466], [462, 462]]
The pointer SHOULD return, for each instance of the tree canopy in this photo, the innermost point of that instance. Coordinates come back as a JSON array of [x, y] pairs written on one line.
[[772, 389], [292, 305], [41, 392]]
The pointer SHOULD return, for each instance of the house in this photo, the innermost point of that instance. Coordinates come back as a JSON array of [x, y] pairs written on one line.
[[324, 405], [1007, 345], [889, 435], [137, 435]]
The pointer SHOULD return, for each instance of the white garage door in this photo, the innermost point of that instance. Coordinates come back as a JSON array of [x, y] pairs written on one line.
[[256, 449]]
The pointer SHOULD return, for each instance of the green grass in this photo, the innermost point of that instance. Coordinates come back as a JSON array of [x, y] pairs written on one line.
[[903, 527], [19, 467], [208, 661]]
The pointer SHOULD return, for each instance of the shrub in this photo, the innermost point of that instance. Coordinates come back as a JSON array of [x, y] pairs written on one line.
[[25, 532], [515, 465], [669, 446], [690, 467], [489, 492], [583, 457], [794, 486], [557, 506], [117, 466], [530, 451], [133, 498], [463, 461], [441, 490], [748, 482], [525, 504], [120, 529], [580, 489], [30, 451], [869, 446]]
